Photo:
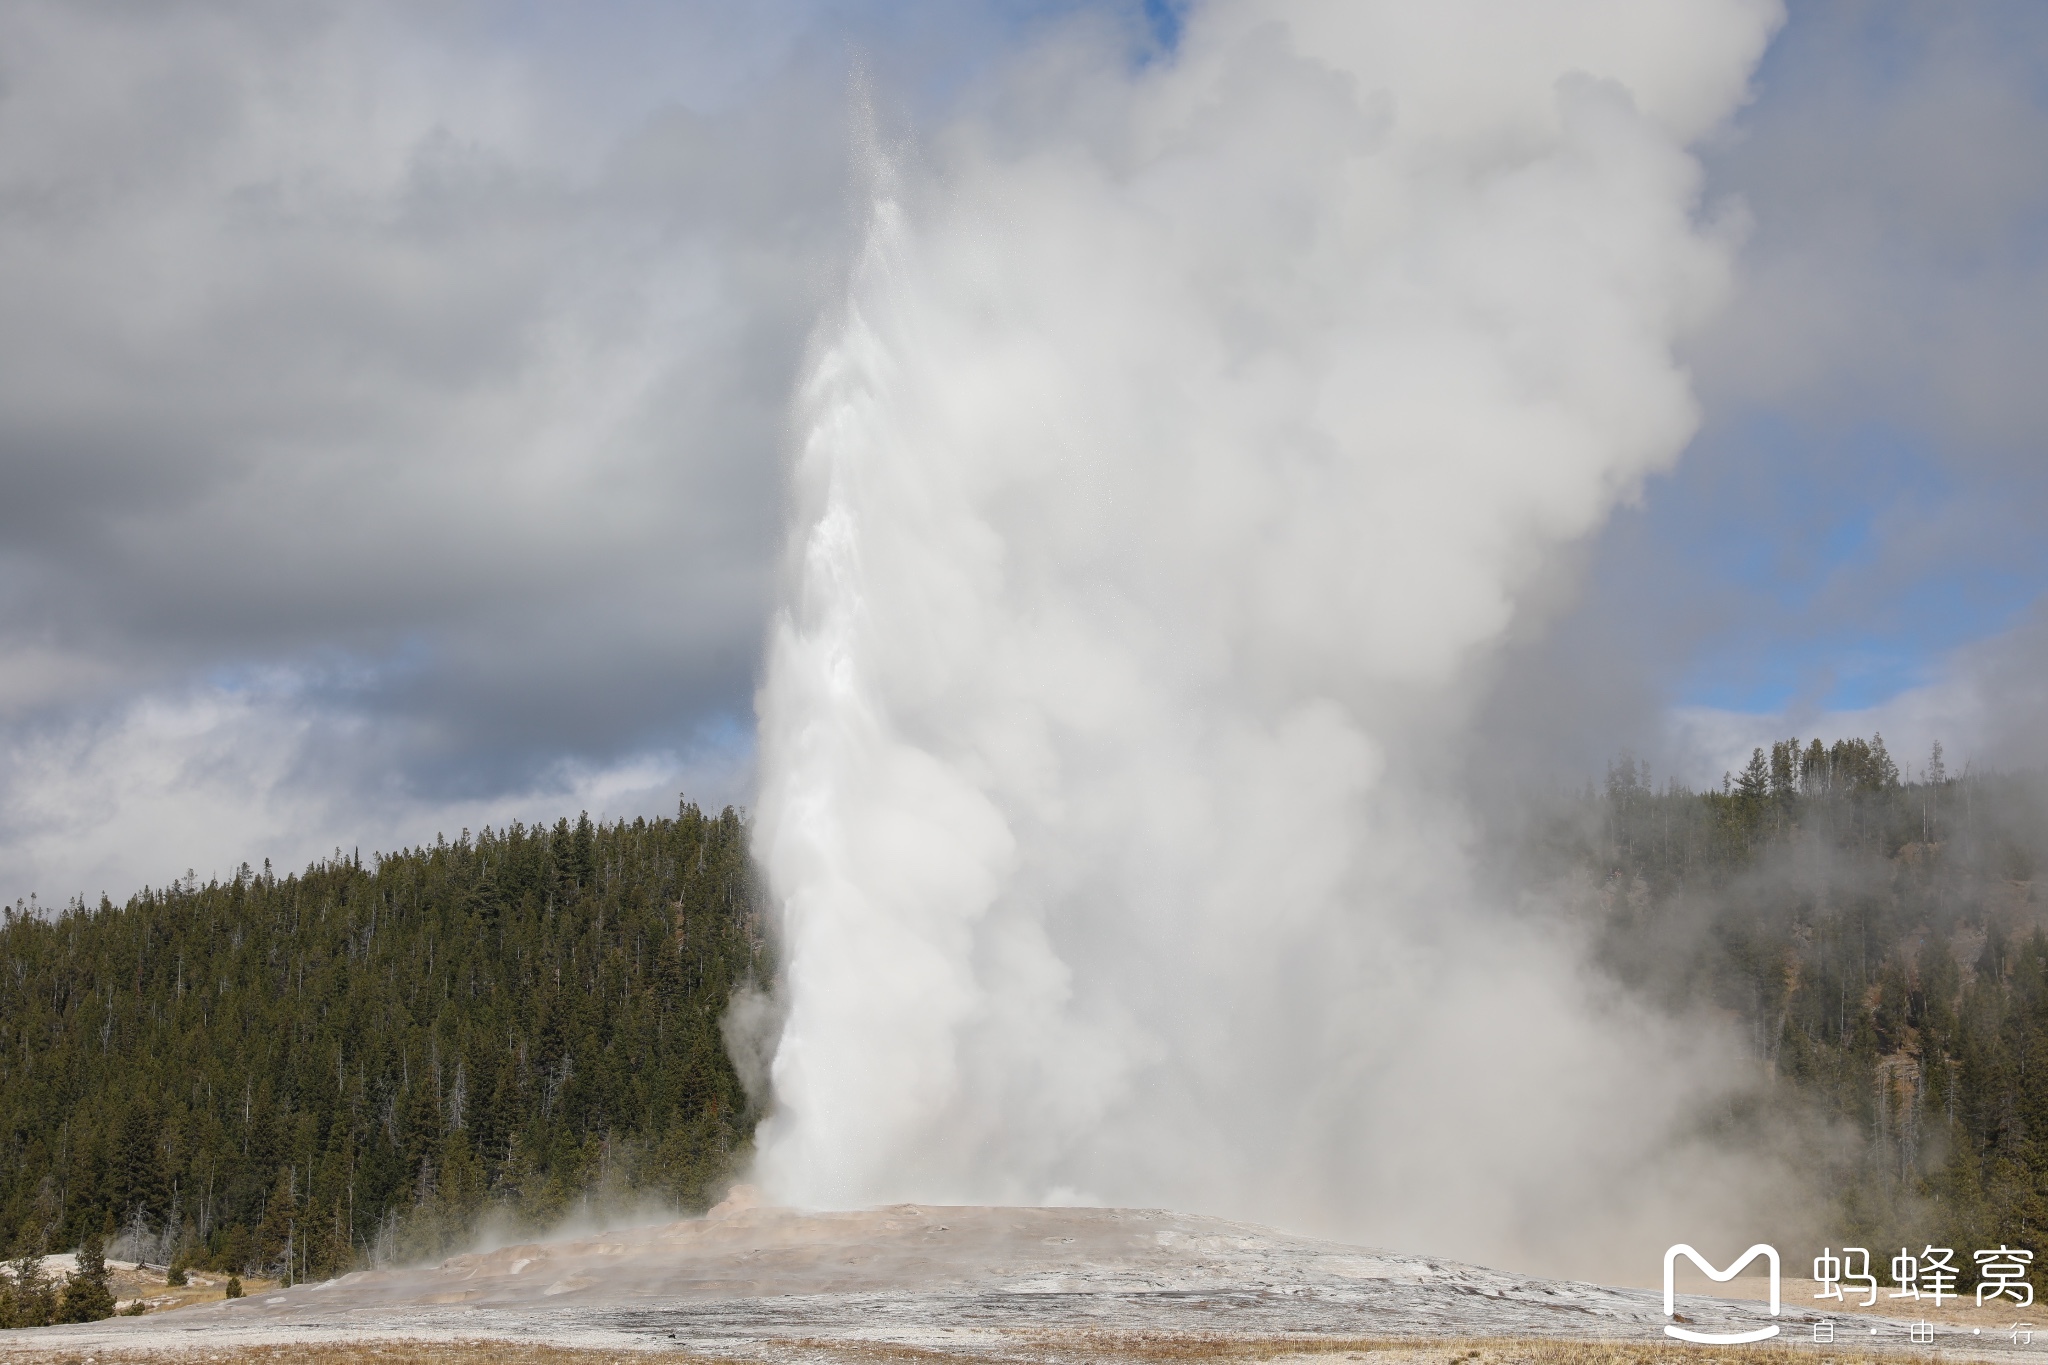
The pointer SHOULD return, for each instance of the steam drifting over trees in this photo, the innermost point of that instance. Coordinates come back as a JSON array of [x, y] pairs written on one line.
[[1883, 943]]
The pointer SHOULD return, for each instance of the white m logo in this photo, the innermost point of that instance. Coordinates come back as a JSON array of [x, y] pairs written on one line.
[[1722, 1276]]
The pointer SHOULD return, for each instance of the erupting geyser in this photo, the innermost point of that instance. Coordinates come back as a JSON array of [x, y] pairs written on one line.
[[1181, 450]]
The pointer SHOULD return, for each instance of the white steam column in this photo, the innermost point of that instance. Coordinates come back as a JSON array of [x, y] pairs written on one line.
[[1179, 455]]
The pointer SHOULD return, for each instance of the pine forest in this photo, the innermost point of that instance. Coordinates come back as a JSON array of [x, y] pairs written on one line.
[[297, 1075]]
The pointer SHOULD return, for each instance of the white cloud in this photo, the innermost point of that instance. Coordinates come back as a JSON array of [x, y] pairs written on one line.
[[1987, 707], [208, 779]]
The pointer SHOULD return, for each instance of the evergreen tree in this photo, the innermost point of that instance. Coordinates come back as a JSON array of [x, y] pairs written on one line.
[[87, 1298], [1754, 784], [28, 1299]]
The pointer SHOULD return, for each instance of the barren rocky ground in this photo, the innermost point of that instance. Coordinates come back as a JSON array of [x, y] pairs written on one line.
[[980, 1283]]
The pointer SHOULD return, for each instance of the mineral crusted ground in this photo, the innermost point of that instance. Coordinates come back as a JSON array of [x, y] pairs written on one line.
[[986, 1283]]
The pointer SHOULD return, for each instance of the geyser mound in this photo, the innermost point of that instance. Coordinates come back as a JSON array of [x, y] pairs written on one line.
[[987, 1282]]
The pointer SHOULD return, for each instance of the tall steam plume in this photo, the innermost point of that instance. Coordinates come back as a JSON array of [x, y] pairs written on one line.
[[1179, 456]]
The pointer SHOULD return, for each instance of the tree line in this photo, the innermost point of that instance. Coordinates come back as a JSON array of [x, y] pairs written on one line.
[[291, 1076]]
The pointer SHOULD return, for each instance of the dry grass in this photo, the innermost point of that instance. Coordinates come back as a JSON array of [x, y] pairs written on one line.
[[367, 1353], [1168, 1349], [1060, 1349], [205, 1287]]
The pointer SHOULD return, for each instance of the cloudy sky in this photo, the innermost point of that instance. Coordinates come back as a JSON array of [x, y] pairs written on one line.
[[394, 408], [1851, 540]]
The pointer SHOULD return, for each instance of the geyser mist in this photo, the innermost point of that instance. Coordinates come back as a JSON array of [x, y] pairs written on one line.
[[1167, 479]]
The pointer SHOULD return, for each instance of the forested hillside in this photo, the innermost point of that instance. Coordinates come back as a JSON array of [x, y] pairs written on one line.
[[293, 1075], [1882, 942], [290, 1074]]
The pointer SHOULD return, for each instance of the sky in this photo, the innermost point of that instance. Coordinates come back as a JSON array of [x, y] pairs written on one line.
[[395, 409], [1848, 544]]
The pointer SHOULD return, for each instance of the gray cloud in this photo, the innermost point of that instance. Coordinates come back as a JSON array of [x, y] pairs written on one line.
[[1899, 262], [347, 355]]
